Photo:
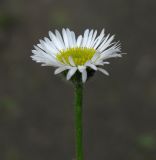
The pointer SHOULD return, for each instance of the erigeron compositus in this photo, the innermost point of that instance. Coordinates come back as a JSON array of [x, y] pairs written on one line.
[[67, 53]]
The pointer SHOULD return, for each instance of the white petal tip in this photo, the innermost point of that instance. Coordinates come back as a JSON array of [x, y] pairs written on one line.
[[71, 72], [106, 62], [103, 71], [55, 72]]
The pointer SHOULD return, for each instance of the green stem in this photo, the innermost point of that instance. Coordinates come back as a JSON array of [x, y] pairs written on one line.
[[79, 120]]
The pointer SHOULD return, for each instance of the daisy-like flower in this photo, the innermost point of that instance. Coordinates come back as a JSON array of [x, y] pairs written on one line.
[[66, 52]]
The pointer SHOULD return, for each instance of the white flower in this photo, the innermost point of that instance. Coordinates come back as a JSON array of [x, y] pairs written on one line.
[[66, 52]]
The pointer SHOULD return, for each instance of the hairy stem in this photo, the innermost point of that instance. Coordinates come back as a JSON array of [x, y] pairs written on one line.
[[79, 120]]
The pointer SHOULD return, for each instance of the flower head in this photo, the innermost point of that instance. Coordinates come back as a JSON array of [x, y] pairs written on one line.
[[71, 54]]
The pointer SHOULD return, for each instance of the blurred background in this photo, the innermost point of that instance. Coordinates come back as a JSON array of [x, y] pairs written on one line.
[[36, 107]]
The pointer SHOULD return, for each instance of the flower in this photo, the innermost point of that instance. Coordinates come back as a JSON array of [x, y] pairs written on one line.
[[71, 54]]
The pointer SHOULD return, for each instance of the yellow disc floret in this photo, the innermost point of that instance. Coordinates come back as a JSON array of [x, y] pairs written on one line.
[[79, 55]]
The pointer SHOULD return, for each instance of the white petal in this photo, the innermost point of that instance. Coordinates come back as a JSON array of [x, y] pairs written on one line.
[[110, 53], [64, 61], [43, 57], [40, 46], [106, 62], [50, 46], [93, 38], [95, 57], [85, 38], [65, 38], [48, 49], [61, 69], [89, 64], [74, 38], [101, 63], [89, 38], [105, 44], [103, 71], [99, 39], [84, 76], [71, 72], [92, 66], [56, 41], [45, 60], [79, 40], [71, 61], [81, 68], [59, 37], [70, 40]]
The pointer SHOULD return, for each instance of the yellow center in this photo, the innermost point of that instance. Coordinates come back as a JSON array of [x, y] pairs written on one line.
[[79, 55]]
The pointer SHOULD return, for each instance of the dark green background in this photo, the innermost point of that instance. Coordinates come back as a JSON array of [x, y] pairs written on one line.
[[36, 107]]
